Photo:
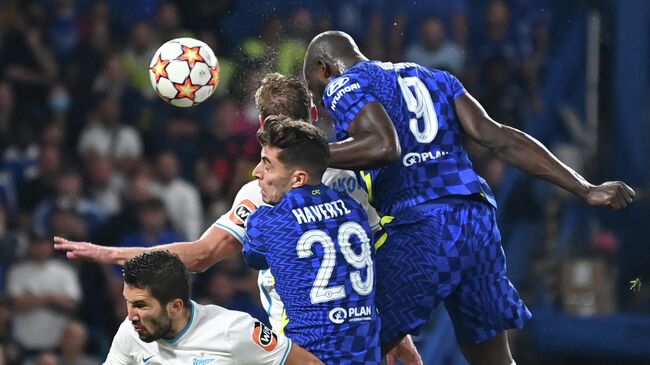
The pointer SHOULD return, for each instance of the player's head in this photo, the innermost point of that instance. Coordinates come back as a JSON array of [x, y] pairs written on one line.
[[329, 54], [157, 292], [294, 153], [284, 95]]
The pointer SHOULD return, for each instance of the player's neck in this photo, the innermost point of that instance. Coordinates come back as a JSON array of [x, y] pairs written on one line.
[[182, 322], [344, 63]]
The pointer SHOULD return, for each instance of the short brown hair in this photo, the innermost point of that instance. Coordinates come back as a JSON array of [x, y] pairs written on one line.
[[283, 95], [301, 143]]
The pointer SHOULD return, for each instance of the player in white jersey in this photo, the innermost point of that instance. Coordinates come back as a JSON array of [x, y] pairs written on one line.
[[278, 94], [164, 326]]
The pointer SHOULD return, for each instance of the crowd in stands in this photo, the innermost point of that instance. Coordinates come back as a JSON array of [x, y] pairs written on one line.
[[90, 153]]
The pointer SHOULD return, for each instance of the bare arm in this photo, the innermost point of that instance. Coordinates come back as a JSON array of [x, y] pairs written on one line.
[[214, 245], [299, 356], [372, 143], [527, 153]]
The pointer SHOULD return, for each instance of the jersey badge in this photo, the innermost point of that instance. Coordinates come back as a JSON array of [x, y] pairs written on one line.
[[264, 337], [242, 211]]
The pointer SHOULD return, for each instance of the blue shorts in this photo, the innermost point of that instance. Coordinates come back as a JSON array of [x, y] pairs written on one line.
[[447, 250]]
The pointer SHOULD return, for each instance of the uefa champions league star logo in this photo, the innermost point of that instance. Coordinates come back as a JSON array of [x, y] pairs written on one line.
[[338, 315]]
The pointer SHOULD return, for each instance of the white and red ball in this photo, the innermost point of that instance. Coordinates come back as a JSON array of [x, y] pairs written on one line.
[[184, 72]]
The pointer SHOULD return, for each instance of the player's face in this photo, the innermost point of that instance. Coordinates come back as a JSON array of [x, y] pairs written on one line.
[[316, 82], [274, 177], [149, 318]]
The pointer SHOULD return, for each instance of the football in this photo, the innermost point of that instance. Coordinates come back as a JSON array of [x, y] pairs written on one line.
[[184, 72]]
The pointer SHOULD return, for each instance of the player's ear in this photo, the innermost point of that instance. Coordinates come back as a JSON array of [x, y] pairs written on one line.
[[300, 178], [175, 306], [313, 113], [324, 68]]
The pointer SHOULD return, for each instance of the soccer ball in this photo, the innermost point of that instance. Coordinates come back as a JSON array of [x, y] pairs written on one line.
[[184, 72]]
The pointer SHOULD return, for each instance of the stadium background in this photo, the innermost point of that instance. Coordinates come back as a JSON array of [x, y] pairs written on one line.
[[88, 152]]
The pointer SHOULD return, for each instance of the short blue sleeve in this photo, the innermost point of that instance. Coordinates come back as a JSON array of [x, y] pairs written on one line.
[[344, 97], [457, 88], [254, 249]]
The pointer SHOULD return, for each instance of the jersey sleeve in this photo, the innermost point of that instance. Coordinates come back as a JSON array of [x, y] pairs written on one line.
[[253, 343], [344, 97], [248, 199], [119, 354], [457, 88], [254, 250]]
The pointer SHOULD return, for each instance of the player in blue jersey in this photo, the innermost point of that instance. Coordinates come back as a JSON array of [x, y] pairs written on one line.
[[401, 126], [317, 243], [278, 94]]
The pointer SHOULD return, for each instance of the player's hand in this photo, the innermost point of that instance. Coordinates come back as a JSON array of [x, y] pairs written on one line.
[[406, 352], [84, 251], [613, 194]]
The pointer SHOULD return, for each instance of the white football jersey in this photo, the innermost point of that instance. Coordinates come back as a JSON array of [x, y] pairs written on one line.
[[249, 198], [214, 335]]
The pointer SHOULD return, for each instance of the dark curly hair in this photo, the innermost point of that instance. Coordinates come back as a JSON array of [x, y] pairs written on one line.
[[162, 272]]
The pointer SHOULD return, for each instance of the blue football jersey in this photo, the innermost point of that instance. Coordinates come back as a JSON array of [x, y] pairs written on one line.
[[318, 245], [420, 102]]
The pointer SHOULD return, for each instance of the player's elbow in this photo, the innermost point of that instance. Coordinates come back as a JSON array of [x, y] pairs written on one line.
[[390, 153], [385, 153]]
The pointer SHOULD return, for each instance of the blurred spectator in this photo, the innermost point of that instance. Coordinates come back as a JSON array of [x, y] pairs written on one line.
[[206, 15], [228, 140], [168, 23], [68, 213], [44, 358], [261, 53], [114, 82], [63, 31], [45, 292], [12, 247], [137, 56], [6, 314], [18, 162], [88, 61], [434, 50], [106, 136], [498, 39], [227, 66], [503, 99], [59, 103], [21, 155], [230, 290], [152, 227], [182, 135], [42, 184], [7, 111], [293, 46], [73, 345], [211, 191], [409, 16], [26, 60], [181, 198], [104, 186], [138, 190]]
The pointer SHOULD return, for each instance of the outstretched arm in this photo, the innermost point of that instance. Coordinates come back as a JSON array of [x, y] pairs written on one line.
[[527, 153], [372, 143], [214, 245]]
